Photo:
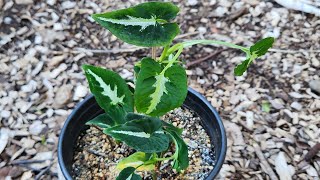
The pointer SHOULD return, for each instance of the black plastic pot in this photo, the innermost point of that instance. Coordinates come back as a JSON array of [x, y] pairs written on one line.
[[89, 109]]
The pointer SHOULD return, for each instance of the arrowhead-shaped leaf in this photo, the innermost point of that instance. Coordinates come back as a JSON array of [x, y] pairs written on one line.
[[136, 160], [181, 160], [159, 88], [102, 120], [144, 135], [258, 49], [261, 47], [111, 92], [135, 116], [147, 24], [171, 127], [128, 174], [241, 68]]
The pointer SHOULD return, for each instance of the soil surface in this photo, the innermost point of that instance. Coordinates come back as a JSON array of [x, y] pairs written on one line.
[[97, 154]]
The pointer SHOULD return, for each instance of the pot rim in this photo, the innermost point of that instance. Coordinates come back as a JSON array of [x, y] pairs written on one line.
[[219, 160]]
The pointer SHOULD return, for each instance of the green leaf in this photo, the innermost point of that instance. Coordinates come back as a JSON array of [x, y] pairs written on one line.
[[147, 24], [102, 120], [111, 92], [136, 70], [136, 160], [258, 49], [159, 88], [261, 47], [117, 113], [135, 116], [128, 174], [241, 68], [181, 160], [171, 127], [266, 106], [144, 135]]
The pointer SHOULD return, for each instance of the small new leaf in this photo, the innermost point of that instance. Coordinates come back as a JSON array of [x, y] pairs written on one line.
[[258, 49], [241, 68], [136, 160], [144, 135], [128, 174], [102, 120], [261, 47]]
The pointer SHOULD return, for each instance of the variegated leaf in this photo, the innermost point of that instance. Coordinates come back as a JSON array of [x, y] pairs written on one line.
[[132, 21], [144, 135], [147, 24], [128, 174], [159, 88], [136, 116], [171, 127], [136, 160], [181, 160], [102, 120], [111, 92]]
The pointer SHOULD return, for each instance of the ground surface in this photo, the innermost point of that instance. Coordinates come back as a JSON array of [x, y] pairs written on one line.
[[43, 44]]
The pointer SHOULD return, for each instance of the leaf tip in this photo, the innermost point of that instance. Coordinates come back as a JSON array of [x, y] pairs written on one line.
[[84, 66], [95, 16]]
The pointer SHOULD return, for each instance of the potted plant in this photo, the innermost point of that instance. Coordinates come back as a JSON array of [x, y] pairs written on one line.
[[134, 116]]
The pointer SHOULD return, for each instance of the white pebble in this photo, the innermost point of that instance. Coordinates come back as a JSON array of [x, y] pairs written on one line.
[[5, 113], [220, 11], [80, 92], [7, 20], [58, 27], [36, 127], [49, 112], [68, 5], [38, 39], [296, 106], [296, 95], [192, 2], [51, 2], [202, 30]]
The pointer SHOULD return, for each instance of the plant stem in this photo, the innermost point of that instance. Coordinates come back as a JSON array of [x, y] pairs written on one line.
[[171, 61], [210, 42], [206, 42], [153, 52], [154, 175], [174, 48], [164, 53], [167, 158]]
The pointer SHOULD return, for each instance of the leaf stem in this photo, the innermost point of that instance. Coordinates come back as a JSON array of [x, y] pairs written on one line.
[[166, 158], [164, 53], [153, 52], [174, 48], [154, 175], [174, 156], [206, 42], [171, 61], [211, 42]]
